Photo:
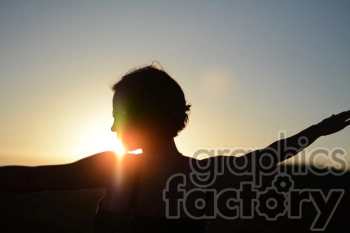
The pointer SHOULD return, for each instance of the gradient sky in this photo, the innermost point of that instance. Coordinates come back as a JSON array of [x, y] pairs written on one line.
[[249, 69]]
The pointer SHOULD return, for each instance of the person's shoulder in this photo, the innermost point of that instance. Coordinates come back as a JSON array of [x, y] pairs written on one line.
[[196, 162], [108, 157], [105, 160]]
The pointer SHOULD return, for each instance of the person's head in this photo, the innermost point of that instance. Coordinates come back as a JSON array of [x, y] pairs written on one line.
[[148, 107]]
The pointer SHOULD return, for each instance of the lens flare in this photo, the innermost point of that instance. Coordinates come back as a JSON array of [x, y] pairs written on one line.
[[137, 151], [119, 149]]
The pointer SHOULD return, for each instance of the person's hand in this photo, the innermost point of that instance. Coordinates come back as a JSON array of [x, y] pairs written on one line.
[[334, 123]]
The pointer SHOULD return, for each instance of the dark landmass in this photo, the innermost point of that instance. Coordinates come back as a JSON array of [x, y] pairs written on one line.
[[73, 211]]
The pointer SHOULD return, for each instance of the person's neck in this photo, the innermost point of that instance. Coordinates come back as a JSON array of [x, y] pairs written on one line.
[[166, 147]]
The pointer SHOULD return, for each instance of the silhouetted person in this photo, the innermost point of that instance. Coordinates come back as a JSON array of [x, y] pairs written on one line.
[[149, 110]]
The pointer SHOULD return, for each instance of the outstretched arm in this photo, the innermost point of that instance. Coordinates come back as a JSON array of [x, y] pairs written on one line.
[[287, 148], [91, 172], [280, 150]]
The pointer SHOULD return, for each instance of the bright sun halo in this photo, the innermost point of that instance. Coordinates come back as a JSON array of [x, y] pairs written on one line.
[[119, 149], [106, 141]]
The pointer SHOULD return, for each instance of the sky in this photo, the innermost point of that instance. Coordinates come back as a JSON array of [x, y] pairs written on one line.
[[250, 69]]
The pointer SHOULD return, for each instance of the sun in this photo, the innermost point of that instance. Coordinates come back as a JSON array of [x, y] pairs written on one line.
[[104, 141], [118, 147]]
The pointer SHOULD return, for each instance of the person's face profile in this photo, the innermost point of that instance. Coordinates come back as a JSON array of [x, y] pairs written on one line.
[[128, 131]]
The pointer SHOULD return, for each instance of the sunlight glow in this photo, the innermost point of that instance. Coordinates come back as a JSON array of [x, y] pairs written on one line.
[[137, 151], [118, 148], [104, 141]]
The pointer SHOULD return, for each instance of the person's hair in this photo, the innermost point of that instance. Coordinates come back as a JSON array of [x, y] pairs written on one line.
[[155, 99]]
